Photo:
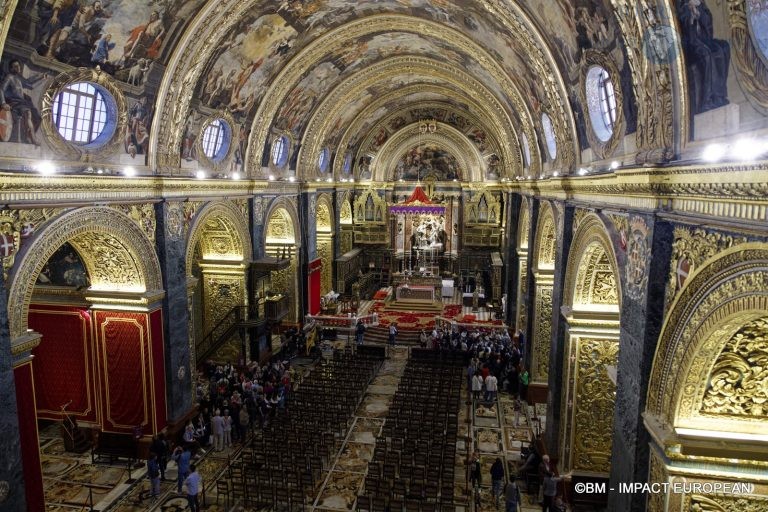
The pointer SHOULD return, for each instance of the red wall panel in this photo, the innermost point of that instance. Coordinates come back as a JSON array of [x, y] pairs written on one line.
[[315, 267], [30, 449], [63, 364]]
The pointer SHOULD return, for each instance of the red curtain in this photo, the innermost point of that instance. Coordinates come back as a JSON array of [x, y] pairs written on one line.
[[315, 267], [125, 373], [30, 450], [63, 366]]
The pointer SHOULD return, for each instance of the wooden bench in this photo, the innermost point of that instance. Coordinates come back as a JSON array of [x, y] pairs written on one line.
[[111, 446]]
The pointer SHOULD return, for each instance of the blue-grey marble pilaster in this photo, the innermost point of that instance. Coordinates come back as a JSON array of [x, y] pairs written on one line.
[[641, 322], [10, 446], [171, 248], [510, 256], [309, 212], [530, 288], [564, 234], [257, 206]]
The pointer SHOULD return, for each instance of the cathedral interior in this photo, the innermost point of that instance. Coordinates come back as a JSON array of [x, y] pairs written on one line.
[[182, 179]]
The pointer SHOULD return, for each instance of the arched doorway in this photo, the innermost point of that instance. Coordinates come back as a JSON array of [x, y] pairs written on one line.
[[544, 279], [218, 251], [592, 311], [707, 407], [324, 216], [281, 241], [86, 327]]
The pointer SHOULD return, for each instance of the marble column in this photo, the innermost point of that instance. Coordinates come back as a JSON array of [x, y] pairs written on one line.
[[11, 474], [257, 207], [171, 248], [530, 283], [511, 257], [564, 234], [645, 263]]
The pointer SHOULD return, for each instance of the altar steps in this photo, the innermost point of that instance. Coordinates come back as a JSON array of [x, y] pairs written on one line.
[[380, 334], [411, 306]]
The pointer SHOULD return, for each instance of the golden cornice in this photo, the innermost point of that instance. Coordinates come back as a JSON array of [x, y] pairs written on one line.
[[341, 36]]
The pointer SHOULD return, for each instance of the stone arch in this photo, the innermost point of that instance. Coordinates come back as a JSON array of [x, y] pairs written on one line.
[[118, 255], [544, 279], [281, 229], [221, 226], [591, 305], [707, 390]]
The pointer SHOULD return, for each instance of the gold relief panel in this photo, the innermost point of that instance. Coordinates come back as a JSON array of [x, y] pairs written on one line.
[[656, 475], [110, 265], [143, 215], [542, 337], [726, 503], [346, 241], [346, 212], [594, 402], [578, 216], [16, 226], [738, 382], [323, 218], [546, 239], [370, 208], [222, 293], [483, 209], [325, 253], [595, 279], [691, 248]]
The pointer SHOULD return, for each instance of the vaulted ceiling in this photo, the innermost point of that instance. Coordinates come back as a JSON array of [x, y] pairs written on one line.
[[345, 76]]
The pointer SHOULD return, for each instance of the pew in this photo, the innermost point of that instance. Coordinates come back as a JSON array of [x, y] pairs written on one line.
[[110, 446]]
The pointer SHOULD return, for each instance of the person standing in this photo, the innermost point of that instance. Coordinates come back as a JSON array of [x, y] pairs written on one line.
[[153, 473], [477, 386], [512, 495], [475, 476], [159, 446], [227, 429], [193, 482], [359, 332], [497, 478], [525, 379], [491, 386], [392, 333], [549, 486], [217, 428], [182, 458]]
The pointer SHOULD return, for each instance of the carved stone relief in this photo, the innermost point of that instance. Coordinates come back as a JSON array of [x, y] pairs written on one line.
[[143, 215], [542, 337]]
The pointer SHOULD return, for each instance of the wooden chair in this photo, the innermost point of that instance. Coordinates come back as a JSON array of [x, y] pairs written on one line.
[[222, 489]]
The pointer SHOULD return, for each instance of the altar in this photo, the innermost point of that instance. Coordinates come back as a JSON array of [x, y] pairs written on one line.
[[415, 293]]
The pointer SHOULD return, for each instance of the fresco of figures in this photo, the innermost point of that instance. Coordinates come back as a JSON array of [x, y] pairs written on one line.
[[757, 13], [122, 37], [427, 161]]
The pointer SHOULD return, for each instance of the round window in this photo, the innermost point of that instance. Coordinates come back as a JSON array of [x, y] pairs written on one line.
[[601, 102], [549, 135], [526, 152], [85, 114], [323, 159], [280, 151], [217, 136]]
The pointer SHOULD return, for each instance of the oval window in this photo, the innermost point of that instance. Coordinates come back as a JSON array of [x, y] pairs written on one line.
[[85, 114], [526, 152], [601, 102], [549, 135], [216, 139], [280, 151], [323, 159]]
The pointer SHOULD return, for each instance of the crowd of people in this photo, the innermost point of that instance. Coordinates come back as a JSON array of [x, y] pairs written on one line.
[[232, 403]]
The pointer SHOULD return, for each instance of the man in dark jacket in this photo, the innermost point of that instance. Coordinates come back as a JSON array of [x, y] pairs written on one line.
[[497, 479]]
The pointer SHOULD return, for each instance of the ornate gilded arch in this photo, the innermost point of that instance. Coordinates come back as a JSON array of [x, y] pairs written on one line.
[[708, 372], [591, 277], [222, 232], [546, 238], [324, 214], [283, 211], [446, 136], [117, 254]]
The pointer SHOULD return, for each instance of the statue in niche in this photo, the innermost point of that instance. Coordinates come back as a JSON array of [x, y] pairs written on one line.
[[707, 58]]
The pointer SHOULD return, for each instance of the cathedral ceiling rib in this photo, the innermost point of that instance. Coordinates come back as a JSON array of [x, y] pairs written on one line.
[[192, 57], [322, 124]]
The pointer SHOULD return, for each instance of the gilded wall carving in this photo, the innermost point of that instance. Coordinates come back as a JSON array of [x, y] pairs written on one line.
[[594, 403], [346, 212], [16, 226], [483, 208], [524, 226], [727, 503], [110, 264], [578, 216], [521, 319], [325, 253], [221, 294], [656, 475], [347, 238], [143, 215], [738, 383], [121, 243], [174, 221], [691, 248], [620, 223], [595, 279], [323, 216], [258, 211], [753, 71], [546, 240], [542, 337], [638, 247]]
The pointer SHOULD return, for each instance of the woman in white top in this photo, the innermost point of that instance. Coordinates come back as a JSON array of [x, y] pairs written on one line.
[[477, 386]]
